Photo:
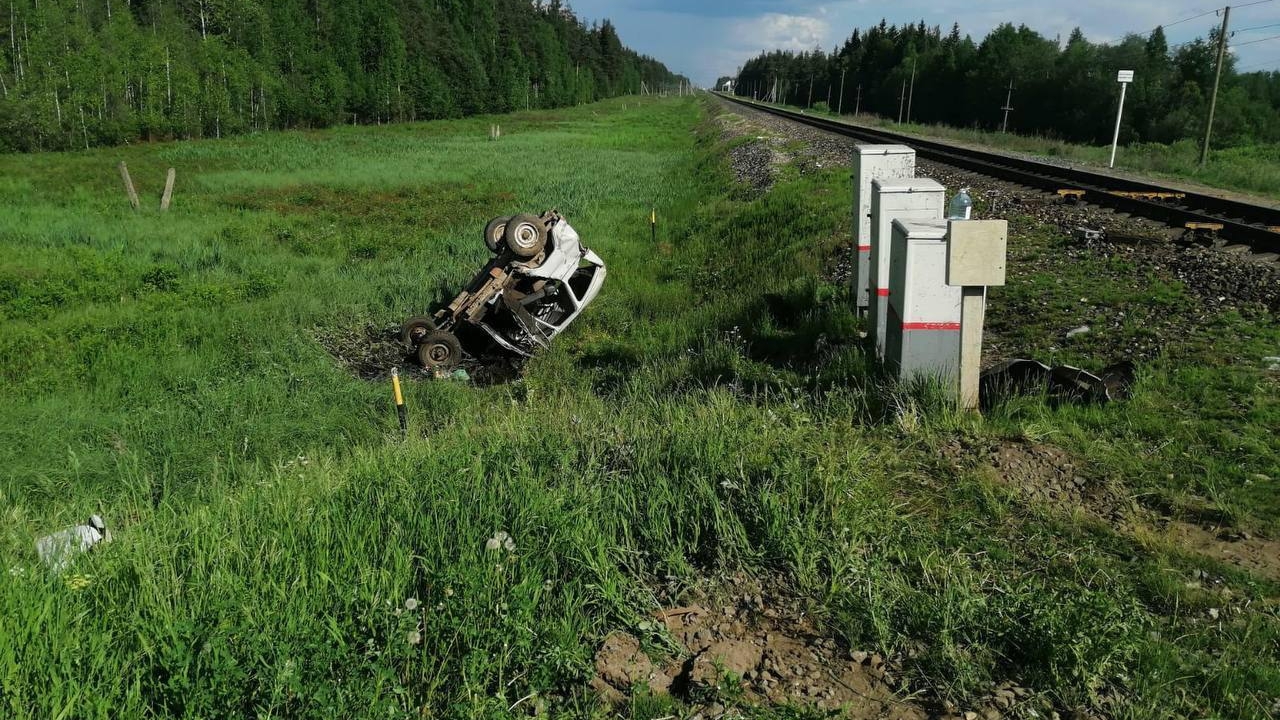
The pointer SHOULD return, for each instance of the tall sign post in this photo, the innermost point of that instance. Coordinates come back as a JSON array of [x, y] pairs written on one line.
[[1124, 77]]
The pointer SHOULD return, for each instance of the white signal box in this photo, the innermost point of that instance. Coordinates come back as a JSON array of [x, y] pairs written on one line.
[[916, 199], [886, 162], [923, 334]]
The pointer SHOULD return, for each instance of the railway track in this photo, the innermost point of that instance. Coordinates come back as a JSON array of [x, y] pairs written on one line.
[[1254, 226]]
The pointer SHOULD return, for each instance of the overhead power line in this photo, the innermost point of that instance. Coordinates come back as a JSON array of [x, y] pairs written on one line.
[[1250, 66], [1258, 27], [1255, 42], [1186, 19]]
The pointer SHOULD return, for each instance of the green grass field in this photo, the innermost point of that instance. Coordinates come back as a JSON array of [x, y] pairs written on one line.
[[270, 523]]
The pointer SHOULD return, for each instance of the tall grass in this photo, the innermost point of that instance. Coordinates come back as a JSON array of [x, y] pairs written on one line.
[[281, 552]]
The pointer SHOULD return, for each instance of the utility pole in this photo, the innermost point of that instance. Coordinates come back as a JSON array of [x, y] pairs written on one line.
[[857, 107], [1213, 102], [902, 100], [810, 104], [911, 95], [840, 111], [1008, 107]]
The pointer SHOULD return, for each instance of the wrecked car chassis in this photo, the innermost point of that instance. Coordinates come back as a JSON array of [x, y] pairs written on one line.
[[539, 280]]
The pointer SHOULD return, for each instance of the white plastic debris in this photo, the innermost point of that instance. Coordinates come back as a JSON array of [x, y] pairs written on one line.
[[1078, 331], [58, 549], [1273, 363]]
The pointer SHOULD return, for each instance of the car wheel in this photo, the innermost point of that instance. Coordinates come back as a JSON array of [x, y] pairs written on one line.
[[416, 329], [526, 235], [440, 351], [494, 233]]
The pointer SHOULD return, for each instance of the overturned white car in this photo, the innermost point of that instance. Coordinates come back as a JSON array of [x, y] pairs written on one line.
[[540, 279]]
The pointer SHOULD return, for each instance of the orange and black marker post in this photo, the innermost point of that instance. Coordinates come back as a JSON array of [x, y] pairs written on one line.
[[400, 411]]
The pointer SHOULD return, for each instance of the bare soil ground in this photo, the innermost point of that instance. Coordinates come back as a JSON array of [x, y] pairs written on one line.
[[741, 643], [1051, 478]]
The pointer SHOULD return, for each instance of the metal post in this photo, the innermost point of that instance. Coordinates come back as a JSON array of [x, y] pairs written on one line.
[[841, 103], [1115, 139], [1217, 78]]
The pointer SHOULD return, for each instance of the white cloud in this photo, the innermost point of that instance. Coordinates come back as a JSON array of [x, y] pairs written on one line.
[[778, 31]]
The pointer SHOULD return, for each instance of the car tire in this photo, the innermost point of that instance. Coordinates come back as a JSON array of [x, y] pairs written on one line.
[[495, 234], [416, 329], [525, 235], [440, 351]]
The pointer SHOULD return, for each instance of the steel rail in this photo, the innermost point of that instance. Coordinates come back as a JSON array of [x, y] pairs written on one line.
[[1242, 223]]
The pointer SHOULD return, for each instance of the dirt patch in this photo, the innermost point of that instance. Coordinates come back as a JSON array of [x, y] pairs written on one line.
[[753, 648], [370, 351], [1260, 556], [1050, 476], [1044, 474]]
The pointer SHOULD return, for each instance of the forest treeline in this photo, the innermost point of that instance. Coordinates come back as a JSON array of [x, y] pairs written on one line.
[[1062, 90], [75, 73]]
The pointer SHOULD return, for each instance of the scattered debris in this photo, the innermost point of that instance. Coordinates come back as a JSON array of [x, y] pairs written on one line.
[[371, 350], [58, 549], [540, 279], [1061, 383], [1085, 234], [1078, 331]]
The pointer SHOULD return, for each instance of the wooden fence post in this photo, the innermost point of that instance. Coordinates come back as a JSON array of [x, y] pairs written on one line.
[[128, 185], [168, 189]]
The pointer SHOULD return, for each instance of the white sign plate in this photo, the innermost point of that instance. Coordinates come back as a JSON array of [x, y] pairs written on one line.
[[976, 252], [1124, 76]]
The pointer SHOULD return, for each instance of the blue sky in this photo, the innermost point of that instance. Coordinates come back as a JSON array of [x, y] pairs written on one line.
[[708, 38]]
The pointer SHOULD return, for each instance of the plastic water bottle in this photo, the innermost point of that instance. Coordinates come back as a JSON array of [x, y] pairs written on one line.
[[961, 206]]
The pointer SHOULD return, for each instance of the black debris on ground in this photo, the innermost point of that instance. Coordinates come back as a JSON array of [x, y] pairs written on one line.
[[370, 351]]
